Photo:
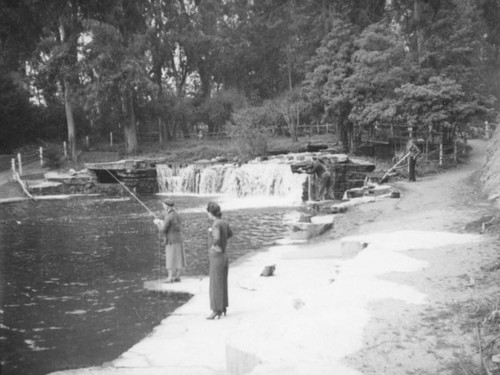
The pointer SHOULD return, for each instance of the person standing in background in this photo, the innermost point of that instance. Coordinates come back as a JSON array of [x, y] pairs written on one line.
[[170, 231], [413, 151], [324, 178], [220, 232]]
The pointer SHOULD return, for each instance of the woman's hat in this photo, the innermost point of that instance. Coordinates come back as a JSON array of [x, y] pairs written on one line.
[[213, 208], [168, 202]]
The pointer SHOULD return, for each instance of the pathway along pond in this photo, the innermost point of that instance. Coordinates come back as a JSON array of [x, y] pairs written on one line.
[[72, 274]]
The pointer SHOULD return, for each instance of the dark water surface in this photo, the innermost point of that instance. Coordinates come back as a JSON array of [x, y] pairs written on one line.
[[72, 274]]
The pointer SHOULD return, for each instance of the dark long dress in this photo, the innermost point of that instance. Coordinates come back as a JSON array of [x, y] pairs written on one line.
[[414, 151], [219, 265]]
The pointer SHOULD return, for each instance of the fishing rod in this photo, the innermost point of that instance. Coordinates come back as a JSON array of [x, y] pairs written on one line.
[[131, 193]]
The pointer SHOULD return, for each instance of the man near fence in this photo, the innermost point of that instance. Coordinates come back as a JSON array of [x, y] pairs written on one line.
[[413, 151]]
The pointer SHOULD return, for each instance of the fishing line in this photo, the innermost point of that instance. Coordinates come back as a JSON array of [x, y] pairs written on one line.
[[132, 194], [160, 245], [158, 285]]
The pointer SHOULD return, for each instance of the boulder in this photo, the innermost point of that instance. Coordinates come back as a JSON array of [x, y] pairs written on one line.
[[306, 231]]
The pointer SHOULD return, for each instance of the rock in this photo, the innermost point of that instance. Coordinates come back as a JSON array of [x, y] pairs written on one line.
[[311, 147], [379, 190], [305, 218], [351, 247], [496, 359], [395, 194], [268, 271], [356, 192], [309, 230], [337, 209]]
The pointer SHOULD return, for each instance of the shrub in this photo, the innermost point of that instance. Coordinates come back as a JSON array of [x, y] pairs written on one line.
[[53, 158], [248, 131]]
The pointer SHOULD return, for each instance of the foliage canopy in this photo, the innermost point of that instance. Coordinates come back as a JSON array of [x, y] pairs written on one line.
[[170, 68]]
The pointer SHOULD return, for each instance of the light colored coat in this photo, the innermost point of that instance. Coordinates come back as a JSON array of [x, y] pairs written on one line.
[[170, 228], [171, 236]]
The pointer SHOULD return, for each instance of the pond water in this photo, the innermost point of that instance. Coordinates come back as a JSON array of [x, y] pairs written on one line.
[[72, 274]]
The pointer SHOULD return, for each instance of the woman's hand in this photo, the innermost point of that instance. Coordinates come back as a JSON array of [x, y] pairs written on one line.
[[216, 249]]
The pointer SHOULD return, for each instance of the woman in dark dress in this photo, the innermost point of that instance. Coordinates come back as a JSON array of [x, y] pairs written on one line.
[[220, 232]]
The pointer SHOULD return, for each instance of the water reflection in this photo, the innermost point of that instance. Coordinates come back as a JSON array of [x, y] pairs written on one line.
[[72, 273]]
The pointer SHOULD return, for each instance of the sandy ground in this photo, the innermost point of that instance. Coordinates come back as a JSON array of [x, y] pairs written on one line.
[[460, 282], [10, 189]]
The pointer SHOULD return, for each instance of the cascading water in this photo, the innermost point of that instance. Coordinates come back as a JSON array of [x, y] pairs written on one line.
[[271, 178]]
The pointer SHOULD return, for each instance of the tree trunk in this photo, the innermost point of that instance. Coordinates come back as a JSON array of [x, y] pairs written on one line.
[[162, 126], [129, 129], [66, 38], [161, 130], [289, 66], [419, 28], [345, 127], [70, 121], [295, 138]]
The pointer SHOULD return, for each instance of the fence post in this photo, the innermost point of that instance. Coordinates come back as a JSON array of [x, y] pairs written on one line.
[[41, 156], [440, 154], [13, 166], [111, 138], [65, 148], [20, 164], [309, 187]]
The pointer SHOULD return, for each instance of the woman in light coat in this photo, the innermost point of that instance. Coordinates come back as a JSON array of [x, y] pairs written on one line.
[[170, 231]]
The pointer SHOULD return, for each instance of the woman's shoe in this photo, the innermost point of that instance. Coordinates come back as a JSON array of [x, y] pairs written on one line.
[[224, 311], [213, 315], [177, 279]]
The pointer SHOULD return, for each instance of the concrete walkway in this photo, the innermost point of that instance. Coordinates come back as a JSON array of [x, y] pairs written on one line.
[[303, 320]]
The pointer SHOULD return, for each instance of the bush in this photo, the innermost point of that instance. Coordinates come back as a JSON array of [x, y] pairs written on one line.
[[249, 132], [53, 158], [217, 111]]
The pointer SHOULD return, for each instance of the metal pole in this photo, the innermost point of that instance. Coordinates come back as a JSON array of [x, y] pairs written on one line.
[[13, 166], [111, 138], [20, 164], [41, 156]]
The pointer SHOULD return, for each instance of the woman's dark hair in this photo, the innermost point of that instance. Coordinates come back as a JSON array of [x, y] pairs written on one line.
[[214, 209]]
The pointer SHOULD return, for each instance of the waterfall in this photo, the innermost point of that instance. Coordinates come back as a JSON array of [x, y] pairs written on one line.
[[271, 178]]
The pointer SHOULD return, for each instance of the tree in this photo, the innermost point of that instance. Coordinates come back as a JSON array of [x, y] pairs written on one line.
[[329, 67], [290, 106], [440, 106], [115, 64], [168, 36], [57, 54], [379, 66]]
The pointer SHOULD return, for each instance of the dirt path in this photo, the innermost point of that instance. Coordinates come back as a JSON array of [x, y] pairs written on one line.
[[9, 188], [461, 282]]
